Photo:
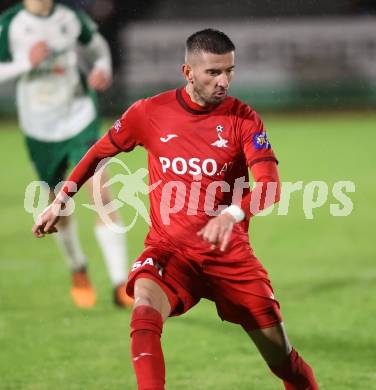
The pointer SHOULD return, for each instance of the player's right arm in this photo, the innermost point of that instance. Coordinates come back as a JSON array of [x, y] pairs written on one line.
[[14, 69], [123, 136], [12, 66], [10, 70]]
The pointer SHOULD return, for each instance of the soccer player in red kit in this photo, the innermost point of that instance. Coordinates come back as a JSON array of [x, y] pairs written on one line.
[[200, 144]]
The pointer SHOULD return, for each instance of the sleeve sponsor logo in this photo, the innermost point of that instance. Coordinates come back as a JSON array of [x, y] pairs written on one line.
[[261, 141], [117, 126]]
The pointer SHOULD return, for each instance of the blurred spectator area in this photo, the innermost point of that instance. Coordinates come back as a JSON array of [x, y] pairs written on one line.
[[101, 10], [291, 54], [245, 9]]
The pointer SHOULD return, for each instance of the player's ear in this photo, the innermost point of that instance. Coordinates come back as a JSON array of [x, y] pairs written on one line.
[[187, 72]]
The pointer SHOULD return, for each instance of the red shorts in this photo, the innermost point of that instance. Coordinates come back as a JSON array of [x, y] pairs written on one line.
[[240, 289]]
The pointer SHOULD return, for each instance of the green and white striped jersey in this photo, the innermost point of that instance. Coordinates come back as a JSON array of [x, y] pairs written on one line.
[[53, 101]]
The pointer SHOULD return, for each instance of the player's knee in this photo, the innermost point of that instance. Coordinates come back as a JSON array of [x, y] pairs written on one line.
[[144, 296], [276, 356], [144, 300], [272, 343], [149, 293]]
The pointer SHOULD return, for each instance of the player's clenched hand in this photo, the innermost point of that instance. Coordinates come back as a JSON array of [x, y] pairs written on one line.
[[47, 220], [38, 53], [99, 80], [218, 231]]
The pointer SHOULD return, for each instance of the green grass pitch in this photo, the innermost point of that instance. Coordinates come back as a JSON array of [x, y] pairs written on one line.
[[323, 271]]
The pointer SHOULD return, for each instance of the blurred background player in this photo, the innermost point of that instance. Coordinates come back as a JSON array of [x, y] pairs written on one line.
[[58, 114]]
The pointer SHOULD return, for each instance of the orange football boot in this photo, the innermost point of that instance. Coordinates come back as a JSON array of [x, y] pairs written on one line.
[[82, 292], [121, 298]]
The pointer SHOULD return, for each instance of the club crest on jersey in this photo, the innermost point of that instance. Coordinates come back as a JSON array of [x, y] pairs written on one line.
[[117, 126], [221, 142], [261, 141]]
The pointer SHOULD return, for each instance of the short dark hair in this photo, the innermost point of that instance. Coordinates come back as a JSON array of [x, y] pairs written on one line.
[[210, 41]]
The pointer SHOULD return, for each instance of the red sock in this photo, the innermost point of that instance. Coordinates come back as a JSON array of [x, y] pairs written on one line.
[[296, 373], [146, 349]]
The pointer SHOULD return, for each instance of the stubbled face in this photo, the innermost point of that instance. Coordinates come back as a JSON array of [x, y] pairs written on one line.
[[209, 76], [39, 7]]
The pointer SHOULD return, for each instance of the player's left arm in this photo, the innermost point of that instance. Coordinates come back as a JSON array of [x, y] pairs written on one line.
[[100, 77], [265, 193], [98, 50], [263, 166]]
